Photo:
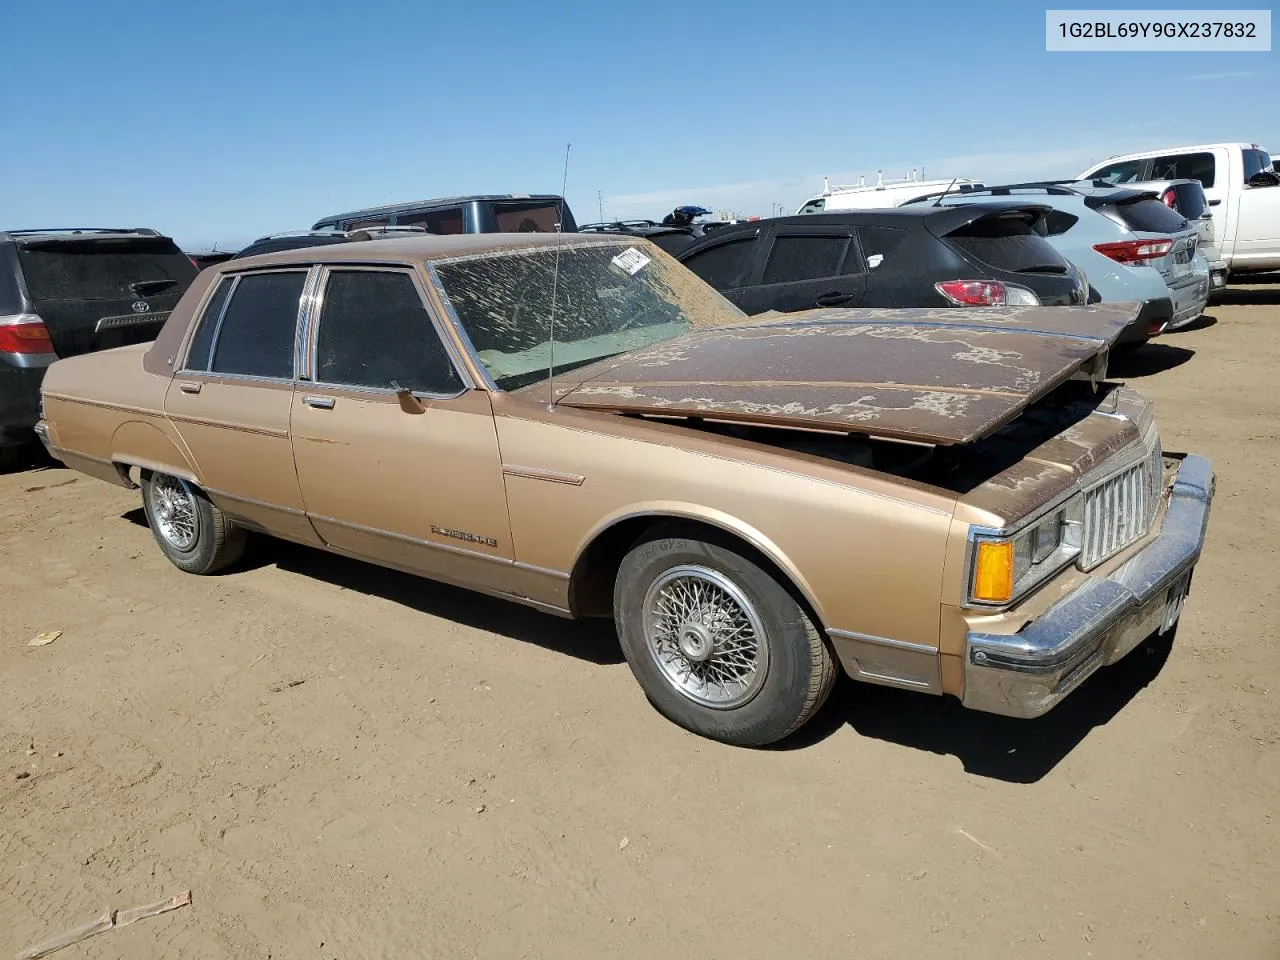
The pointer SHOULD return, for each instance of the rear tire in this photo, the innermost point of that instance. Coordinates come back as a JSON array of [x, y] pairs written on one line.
[[718, 645], [195, 535]]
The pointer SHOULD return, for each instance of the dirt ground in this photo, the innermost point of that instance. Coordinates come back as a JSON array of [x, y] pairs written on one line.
[[342, 762]]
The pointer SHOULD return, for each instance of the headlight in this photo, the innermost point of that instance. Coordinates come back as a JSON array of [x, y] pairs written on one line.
[[1004, 568]]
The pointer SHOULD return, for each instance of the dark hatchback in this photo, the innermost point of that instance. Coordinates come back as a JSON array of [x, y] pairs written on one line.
[[73, 291], [938, 256]]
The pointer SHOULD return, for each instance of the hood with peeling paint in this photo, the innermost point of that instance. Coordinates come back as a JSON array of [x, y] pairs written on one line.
[[940, 376]]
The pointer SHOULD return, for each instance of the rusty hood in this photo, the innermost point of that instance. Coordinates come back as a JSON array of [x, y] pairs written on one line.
[[941, 376]]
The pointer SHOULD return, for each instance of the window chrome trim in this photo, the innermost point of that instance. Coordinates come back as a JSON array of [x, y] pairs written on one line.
[[217, 324], [311, 360]]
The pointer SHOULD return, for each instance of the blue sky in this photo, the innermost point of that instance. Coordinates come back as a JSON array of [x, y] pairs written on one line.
[[217, 122]]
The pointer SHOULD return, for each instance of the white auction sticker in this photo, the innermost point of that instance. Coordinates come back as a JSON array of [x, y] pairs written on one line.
[[631, 260]]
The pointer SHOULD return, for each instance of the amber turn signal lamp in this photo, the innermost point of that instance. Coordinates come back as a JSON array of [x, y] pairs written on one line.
[[993, 571]]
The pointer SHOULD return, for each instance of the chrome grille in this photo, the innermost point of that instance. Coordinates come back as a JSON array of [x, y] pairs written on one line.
[[1119, 510]]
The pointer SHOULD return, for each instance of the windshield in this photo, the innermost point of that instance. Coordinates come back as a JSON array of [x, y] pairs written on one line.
[[609, 298]]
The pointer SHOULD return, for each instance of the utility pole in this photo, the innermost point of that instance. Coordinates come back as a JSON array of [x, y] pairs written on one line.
[[600, 205]]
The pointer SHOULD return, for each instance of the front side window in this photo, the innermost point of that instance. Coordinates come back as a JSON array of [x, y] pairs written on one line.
[[375, 332], [610, 298], [724, 266], [1184, 166], [249, 325], [816, 205], [1256, 162], [796, 258]]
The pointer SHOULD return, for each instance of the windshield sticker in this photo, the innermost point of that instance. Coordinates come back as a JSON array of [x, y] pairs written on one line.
[[631, 261]]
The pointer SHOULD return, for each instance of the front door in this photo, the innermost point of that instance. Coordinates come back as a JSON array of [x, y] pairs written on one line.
[[397, 457], [231, 398]]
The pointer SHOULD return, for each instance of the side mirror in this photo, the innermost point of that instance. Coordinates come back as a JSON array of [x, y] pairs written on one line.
[[1264, 178], [408, 402]]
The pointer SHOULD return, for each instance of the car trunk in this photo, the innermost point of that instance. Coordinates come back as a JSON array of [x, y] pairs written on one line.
[[99, 291], [1007, 246]]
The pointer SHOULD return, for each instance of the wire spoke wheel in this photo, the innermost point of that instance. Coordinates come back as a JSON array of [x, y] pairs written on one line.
[[705, 636], [173, 506]]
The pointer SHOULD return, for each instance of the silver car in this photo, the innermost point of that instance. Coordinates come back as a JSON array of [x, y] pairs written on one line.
[[1129, 243], [1187, 198]]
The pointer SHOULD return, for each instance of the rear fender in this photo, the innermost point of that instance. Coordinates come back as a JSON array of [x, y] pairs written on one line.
[[143, 445]]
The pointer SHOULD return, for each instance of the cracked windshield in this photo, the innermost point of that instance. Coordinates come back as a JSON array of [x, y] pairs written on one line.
[[609, 298]]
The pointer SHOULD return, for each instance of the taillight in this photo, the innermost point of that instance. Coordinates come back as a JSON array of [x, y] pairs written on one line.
[[196, 264], [986, 293], [1137, 252], [24, 333], [1170, 198]]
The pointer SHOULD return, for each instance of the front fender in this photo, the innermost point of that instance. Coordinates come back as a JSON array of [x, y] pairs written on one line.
[[679, 510]]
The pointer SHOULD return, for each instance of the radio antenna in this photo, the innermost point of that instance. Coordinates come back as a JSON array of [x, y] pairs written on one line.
[[555, 283], [938, 202]]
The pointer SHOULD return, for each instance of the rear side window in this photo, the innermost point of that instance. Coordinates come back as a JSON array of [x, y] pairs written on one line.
[[1126, 171], [1189, 198], [804, 258], [255, 333], [724, 266], [1150, 216], [526, 217], [434, 221], [374, 330], [1058, 222], [198, 354], [879, 243], [1009, 244], [105, 269], [1184, 166]]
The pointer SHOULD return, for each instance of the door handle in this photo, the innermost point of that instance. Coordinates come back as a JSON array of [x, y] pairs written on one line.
[[320, 403], [834, 299], [189, 387]]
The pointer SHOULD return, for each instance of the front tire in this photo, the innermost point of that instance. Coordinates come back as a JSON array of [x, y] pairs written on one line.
[[719, 646], [195, 535]]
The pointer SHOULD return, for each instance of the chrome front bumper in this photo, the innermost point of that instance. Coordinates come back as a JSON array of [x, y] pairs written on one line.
[[1026, 674]]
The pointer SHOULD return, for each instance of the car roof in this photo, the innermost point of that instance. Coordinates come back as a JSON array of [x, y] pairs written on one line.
[[47, 234], [1145, 154], [944, 218], [389, 208], [415, 249]]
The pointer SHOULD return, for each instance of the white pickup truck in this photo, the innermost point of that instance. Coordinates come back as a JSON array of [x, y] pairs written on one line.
[[1240, 183]]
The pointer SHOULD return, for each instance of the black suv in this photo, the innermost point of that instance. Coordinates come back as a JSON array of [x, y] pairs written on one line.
[[478, 213], [70, 291], [975, 255]]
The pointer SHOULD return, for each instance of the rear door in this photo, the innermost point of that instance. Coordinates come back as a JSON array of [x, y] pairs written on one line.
[[100, 291], [231, 397], [726, 263], [807, 267]]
